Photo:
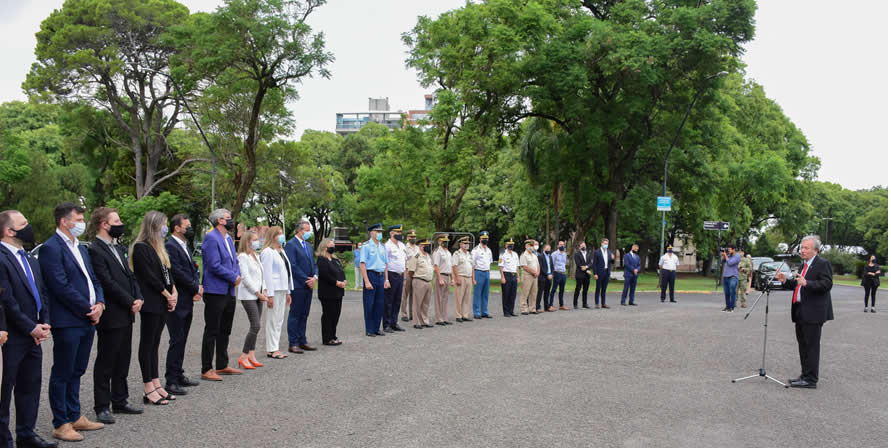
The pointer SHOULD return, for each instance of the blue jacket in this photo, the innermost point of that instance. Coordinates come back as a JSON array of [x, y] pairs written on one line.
[[303, 265], [599, 267], [17, 298], [219, 269], [631, 263], [66, 285]]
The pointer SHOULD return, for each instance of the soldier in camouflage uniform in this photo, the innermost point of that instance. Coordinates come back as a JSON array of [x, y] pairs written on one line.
[[745, 270]]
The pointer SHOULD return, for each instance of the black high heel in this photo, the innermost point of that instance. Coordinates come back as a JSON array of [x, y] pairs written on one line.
[[161, 401], [167, 397]]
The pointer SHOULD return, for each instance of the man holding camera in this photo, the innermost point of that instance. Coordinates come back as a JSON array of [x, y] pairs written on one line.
[[731, 276]]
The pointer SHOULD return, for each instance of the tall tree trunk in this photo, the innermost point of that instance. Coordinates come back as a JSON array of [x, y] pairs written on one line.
[[249, 152]]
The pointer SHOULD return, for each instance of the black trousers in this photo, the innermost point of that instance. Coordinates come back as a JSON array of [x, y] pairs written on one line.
[[581, 283], [600, 289], [112, 366], [667, 281], [178, 324], [544, 289], [22, 371], [149, 340], [219, 310], [870, 289], [330, 317], [808, 336], [509, 293], [392, 299]]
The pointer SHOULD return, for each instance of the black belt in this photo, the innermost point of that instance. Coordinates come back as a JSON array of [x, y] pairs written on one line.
[[480, 270], [510, 274]]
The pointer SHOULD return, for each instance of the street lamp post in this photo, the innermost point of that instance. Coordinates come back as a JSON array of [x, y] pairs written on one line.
[[213, 154], [673, 142], [826, 235]]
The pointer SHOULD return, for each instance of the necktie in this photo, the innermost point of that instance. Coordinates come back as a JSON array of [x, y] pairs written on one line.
[[797, 288], [30, 279], [306, 249]]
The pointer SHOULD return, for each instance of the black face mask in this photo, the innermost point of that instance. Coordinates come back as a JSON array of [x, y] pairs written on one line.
[[116, 231], [510, 247], [25, 234], [444, 245], [582, 248], [189, 233], [230, 224], [398, 237], [484, 243], [561, 248], [412, 240], [427, 249], [547, 252], [330, 250]]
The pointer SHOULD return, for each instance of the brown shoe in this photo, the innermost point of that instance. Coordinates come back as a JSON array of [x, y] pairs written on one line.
[[83, 424], [210, 375], [604, 307], [564, 308], [307, 347], [295, 349], [229, 371], [552, 309], [67, 433]]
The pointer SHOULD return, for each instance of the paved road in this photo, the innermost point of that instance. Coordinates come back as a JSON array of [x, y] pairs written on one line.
[[656, 375]]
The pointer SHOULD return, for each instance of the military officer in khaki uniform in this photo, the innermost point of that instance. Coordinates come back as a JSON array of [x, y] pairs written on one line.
[[529, 279], [745, 271], [462, 277], [411, 249], [421, 268], [442, 273]]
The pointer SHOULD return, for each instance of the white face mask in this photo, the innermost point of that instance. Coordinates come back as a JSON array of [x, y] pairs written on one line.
[[78, 229], [255, 244], [535, 247]]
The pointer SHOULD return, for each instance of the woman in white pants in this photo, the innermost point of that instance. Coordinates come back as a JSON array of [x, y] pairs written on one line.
[[277, 275]]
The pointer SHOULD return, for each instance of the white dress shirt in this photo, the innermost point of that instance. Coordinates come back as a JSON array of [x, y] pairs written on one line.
[[510, 261], [395, 256], [482, 258], [72, 246], [669, 262]]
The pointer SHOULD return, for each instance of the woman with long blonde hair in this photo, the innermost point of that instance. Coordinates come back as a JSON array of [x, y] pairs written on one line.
[[151, 264]]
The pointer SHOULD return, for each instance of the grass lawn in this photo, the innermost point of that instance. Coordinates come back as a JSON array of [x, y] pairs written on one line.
[[852, 280]]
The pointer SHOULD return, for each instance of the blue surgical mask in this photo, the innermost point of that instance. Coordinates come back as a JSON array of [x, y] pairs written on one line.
[[164, 231], [78, 229], [281, 239], [605, 246], [307, 235], [255, 244], [378, 236]]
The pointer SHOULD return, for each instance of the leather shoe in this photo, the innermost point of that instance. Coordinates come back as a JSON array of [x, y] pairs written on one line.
[[418, 327], [604, 307], [228, 371], [175, 389], [586, 306], [84, 424], [104, 416], [295, 349], [370, 335], [388, 330], [379, 333], [564, 308], [633, 304], [126, 409], [486, 316], [404, 319], [310, 348], [210, 375], [466, 319], [34, 441], [428, 326], [186, 382], [397, 328], [803, 384], [672, 301], [67, 433]]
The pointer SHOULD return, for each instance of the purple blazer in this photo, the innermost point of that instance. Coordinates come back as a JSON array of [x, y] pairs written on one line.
[[219, 268]]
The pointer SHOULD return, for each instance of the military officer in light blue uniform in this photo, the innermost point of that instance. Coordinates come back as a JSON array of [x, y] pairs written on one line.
[[373, 266]]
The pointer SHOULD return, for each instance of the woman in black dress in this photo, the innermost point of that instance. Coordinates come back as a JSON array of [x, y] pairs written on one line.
[[870, 283], [150, 263], [332, 282]]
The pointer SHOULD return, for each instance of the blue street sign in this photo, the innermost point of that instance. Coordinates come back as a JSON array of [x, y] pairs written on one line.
[[663, 203]]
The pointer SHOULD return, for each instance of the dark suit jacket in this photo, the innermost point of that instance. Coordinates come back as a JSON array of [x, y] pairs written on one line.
[[579, 262], [330, 272], [303, 265], [601, 267], [815, 303], [631, 262], [153, 278], [118, 284], [185, 274], [66, 284], [546, 270], [20, 308]]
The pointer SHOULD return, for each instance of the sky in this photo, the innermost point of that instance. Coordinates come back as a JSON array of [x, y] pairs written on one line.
[[826, 65]]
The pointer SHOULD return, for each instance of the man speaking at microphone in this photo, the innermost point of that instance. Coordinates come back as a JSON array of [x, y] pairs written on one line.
[[811, 308]]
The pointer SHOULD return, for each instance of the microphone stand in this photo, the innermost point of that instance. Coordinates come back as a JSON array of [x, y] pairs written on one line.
[[762, 372]]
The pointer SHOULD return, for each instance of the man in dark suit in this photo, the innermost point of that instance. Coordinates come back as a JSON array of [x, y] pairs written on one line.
[[632, 270], [221, 275], [544, 280], [305, 274], [115, 331], [811, 308], [76, 306], [27, 318], [582, 260], [186, 278], [603, 264]]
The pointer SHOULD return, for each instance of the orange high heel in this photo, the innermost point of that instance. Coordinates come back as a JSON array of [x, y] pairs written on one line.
[[256, 363], [245, 366]]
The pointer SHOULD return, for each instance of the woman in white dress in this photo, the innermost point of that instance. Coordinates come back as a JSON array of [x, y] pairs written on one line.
[[277, 275]]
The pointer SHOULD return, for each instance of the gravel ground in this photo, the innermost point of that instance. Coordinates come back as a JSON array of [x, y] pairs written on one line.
[[654, 375]]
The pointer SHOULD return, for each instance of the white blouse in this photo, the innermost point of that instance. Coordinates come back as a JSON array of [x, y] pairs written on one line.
[[251, 277]]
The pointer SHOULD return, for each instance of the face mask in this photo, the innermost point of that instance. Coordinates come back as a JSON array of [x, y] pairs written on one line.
[[561, 248], [510, 247], [189, 233], [230, 224], [465, 246], [484, 242], [330, 250], [582, 248], [255, 244], [78, 229], [605, 246], [307, 235], [281, 239], [412, 240], [398, 237], [547, 252], [378, 236], [529, 248], [535, 247], [116, 231], [164, 231], [635, 251], [443, 244], [25, 234], [427, 249]]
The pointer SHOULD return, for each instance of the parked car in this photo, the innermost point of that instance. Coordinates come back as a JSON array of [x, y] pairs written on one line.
[[756, 262], [765, 273]]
